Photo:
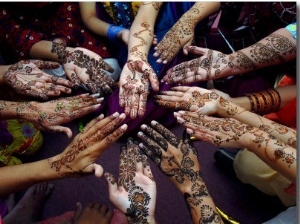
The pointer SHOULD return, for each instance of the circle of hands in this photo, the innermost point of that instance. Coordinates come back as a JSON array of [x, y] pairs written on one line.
[[134, 192], [83, 66], [135, 80], [27, 78]]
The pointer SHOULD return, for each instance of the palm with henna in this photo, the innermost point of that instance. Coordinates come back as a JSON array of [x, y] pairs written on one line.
[[135, 79], [26, 78], [134, 193], [178, 160]]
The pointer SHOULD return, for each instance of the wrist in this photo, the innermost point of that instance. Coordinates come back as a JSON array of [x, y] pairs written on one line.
[[113, 32]]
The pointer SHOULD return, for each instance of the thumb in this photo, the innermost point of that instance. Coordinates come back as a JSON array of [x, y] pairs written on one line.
[[185, 47], [45, 64], [58, 128], [111, 182]]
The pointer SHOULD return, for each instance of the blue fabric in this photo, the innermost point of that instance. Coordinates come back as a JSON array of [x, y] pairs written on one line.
[[293, 29]]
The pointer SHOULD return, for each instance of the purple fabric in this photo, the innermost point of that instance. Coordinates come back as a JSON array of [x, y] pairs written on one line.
[[3, 208], [5, 137]]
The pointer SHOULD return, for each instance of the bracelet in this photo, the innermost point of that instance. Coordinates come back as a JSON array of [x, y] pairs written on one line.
[[112, 32]]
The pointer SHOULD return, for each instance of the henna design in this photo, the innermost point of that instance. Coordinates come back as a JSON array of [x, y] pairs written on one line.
[[138, 209], [60, 50], [208, 215]]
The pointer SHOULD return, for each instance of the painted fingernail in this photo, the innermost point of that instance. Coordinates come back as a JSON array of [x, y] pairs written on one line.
[[124, 127], [181, 112], [143, 126], [99, 100], [180, 120], [95, 95], [190, 131], [153, 123], [101, 116], [116, 114]]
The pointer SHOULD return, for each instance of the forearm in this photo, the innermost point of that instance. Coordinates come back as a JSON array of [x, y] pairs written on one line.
[[47, 50], [142, 31], [19, 177], [89, 17], [287, 93], [3, 69], [275, 153], [200, 203], [277, 48], [200, 11], [285, 134]]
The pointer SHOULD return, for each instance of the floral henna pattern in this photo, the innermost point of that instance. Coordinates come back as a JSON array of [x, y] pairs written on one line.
[[208, 215], [138, 210], [60, 50]]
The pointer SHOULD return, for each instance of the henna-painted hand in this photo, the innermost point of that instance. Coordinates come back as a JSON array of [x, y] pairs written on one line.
[[83, 66], [223, 132], [79, 157], [176, 159], [134, 87], [27, 79], [211, 65], [135, 192], [49, 115], [189, 99], [178, 37]]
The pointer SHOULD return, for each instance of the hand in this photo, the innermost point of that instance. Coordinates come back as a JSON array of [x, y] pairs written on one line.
[[26, 78], [79, 157], [211, 65], [49, 115], [134, 87], [135, 192], [176, 159], [179, 36], [189, 99], [83, 66], [222, 132]]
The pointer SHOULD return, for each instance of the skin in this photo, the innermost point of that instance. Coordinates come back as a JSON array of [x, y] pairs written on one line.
[[228, 132], [277, 48], [190, 98], [134, 193], [92, 213], [178, 160], [26, 78], [201, 101], [77, 160], [137, 75], [181, 35], [48, 116], [81, 65]]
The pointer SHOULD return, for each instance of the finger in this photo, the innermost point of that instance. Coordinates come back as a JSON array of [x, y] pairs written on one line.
[[84, 111], [150, 143], [73, 77], [58, 128], [113, 137], [154, 81], [196, 50], [149, 153], [166, 133], [92, 122], [112, 184], [45, 64], [134, 106], [146, 168], [96, 168], [56, 80]]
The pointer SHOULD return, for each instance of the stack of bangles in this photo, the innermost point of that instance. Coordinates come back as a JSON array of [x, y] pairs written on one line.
[[112, 32], [264, 102]]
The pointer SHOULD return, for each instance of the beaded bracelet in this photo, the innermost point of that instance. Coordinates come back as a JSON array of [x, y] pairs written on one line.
[[112, 32]]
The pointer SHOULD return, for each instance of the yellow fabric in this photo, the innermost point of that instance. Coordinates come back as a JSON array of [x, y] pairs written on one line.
[[26, 140], [250, 169]]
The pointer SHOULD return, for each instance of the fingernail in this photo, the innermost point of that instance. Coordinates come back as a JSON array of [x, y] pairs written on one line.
[[124, 127], [140, 134], [95, 95], [143, 126], [181, 112], [101, 116], [116, 114], [180, 120], [189, 131], [153, 123], [100, 100]]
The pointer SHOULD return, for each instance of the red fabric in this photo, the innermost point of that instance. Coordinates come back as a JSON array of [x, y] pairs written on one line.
[[23, 25]]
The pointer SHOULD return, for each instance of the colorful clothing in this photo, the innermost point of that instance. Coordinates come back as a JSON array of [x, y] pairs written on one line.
[[24, 24], [24, 139], [293, 29]]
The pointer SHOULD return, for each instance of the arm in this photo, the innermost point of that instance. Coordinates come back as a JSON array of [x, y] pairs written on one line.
[[77, 160], [49, 116], [229, 132], [178, 160], [181, 35], [27, 78], [277, 48], [137, 74], [90, 19], [203, 101]]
